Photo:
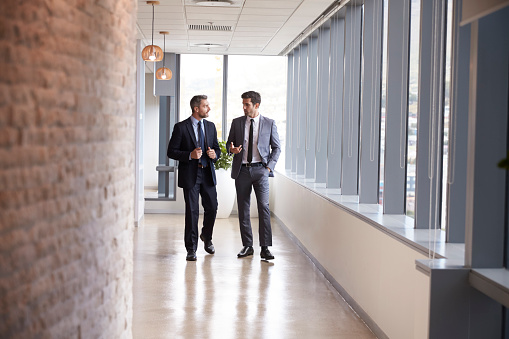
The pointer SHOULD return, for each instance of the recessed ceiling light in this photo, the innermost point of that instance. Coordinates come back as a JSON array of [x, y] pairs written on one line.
[[215, 3], [207, 45]]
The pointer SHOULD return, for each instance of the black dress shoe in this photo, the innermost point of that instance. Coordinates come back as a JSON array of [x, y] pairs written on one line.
[[191, 255], [208, 246], [247, 250], [265, 253]]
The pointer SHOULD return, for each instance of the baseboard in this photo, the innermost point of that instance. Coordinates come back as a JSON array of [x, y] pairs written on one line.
[[353, 304]]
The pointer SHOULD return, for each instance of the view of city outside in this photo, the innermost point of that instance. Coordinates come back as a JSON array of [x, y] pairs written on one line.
[[202, 74], [383, 105], [447, 106], [267, 76], [413, 95]]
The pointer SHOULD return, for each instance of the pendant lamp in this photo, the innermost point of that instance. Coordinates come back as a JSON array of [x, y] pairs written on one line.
[[152, 52], [163, 73]]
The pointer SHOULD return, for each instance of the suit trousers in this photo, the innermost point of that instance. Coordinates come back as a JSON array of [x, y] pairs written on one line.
[[256, 178], [205, 187]]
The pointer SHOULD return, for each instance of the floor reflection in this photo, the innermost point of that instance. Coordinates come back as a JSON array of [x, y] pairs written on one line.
[[222, 296]]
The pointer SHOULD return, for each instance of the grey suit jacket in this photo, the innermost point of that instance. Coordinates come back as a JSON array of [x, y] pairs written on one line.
[[268, 143]]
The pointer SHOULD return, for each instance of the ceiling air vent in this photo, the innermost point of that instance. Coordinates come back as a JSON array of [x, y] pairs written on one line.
[[210, 28]]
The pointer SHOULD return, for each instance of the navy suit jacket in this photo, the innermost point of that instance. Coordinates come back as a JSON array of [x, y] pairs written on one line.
[[268, 143], [183, 142]]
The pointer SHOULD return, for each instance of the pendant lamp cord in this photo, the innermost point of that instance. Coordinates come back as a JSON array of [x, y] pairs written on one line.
[[152, 24], [164, 49]]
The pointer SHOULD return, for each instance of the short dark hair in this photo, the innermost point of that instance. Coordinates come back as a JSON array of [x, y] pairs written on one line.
[[196, 100], [254, 96]]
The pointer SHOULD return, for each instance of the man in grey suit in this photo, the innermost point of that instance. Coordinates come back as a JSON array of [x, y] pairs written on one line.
[[255, 144]]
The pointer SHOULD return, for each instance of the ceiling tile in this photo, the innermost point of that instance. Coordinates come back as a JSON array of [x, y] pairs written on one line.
[[268, 11], [158, 40], [162, 3], [263, 18], [165, 26], [204, 34], [161, 9], [160, 16], [248, 43], [212, 11], [199, 39], [256, 29], [261, 27], [207, 17], [244, 50], [233, 3], [271, 4], [252, 34], [254, 24], [148, 22], [173, 44], [216, 22]]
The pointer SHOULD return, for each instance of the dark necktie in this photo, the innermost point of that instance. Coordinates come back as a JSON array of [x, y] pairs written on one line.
[[250, 145], [201, 142]]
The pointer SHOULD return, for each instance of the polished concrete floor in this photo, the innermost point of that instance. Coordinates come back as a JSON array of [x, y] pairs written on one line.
[[221, 296]]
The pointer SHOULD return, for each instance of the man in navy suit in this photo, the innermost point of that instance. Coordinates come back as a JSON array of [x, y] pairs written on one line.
[[194, 144], [255, 142]]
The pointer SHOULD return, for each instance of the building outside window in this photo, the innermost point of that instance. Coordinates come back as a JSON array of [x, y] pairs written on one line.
[[447, 106], [413, 96], [384, 99]]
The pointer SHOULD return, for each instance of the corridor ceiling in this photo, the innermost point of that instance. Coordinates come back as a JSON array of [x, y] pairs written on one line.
[[254, 27]]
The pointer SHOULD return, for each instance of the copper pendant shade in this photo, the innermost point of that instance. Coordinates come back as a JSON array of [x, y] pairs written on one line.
[[164, 73], [152, 52]]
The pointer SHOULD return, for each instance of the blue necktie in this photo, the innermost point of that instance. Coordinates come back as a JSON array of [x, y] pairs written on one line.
[[201, 142]]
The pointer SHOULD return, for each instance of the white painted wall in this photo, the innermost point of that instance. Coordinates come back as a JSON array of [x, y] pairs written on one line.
[[375, 269], [151, 133]]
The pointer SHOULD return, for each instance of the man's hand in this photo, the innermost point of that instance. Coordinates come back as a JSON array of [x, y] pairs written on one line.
[[196, 153], [211, 153], [235, 150]]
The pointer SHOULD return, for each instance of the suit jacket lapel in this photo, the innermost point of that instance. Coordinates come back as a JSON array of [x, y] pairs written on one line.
[[242, 129], [262, 125], [189, 124], [208, 134]]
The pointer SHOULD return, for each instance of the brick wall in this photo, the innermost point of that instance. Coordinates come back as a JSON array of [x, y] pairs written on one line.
[[67, 108]]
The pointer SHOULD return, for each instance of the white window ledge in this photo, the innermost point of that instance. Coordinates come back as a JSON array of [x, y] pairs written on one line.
[[494, 282], [428, 241]]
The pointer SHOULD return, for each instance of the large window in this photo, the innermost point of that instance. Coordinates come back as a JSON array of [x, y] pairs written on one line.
[[265, 75], [413, 95], [447, 106], [202, 74], [384, 98]]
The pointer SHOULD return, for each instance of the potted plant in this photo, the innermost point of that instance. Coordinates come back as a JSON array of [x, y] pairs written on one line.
[[225, 184]]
